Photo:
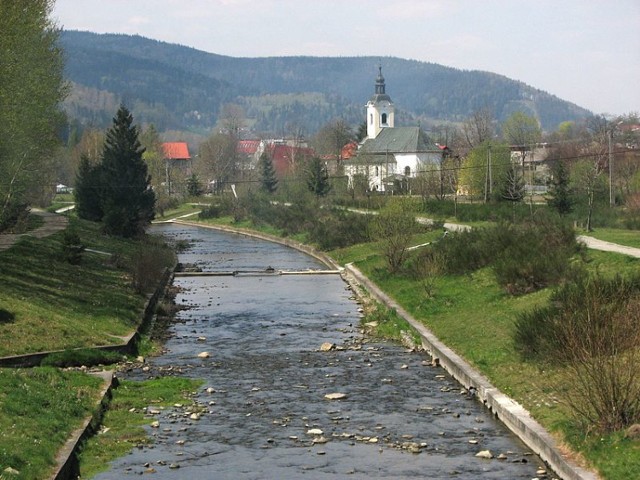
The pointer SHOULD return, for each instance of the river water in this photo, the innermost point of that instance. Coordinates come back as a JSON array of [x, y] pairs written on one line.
[[262, 412]]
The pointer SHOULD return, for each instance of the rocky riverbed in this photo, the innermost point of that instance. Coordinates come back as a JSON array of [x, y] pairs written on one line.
[[296, 389]]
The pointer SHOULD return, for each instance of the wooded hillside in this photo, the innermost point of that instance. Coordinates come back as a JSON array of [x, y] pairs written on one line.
[[177, 87]]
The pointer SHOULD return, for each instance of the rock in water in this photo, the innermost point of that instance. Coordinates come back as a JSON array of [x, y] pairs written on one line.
[[204, 355], [335, 396], [484, 454]]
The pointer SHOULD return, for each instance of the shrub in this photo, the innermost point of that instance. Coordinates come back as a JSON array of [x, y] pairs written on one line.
[[72, 247], [149, 263], [338, 228], [592, 328], [14, 217]]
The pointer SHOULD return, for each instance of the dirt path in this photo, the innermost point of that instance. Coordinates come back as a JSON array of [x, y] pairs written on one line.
[[53, 223]]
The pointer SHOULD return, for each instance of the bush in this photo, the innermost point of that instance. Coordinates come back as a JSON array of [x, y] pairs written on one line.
[[149, 263], [592, 328], [339, 228], [14, 217], [72, 247], [222, 208]]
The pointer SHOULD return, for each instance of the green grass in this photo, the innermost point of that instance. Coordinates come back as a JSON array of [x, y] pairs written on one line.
[[49, 304], [124, 422], [39, 408], [630, 238]]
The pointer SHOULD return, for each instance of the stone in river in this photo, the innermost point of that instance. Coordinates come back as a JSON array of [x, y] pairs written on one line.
[[335, 396]]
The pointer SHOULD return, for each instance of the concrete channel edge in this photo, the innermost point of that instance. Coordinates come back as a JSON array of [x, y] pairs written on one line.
[[509, 412]]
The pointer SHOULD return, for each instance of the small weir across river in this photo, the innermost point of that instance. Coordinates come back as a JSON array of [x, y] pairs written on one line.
[[265, 411]]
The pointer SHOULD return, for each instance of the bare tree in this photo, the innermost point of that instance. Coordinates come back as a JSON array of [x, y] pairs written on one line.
[[478, 128]]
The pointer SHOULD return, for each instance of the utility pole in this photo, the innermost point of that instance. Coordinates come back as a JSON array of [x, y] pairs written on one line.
[[612, 200]]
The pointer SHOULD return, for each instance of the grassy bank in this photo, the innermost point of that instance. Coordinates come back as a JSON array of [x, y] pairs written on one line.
[[123, 426], [47, 303], [39, 409]]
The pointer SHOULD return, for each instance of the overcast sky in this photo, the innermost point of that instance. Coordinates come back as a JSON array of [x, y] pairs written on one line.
[[583, 51]]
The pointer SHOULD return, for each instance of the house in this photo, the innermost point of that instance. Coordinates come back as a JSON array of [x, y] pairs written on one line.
[[286, 155], [389, 154], [178, 163]]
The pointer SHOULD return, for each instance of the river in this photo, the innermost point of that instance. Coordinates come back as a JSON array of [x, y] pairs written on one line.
[[263, 412]]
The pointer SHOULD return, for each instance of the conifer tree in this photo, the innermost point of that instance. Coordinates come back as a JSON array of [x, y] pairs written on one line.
[[87, 191], [269, 182], [559, 190], [318, 178], [127, 197]]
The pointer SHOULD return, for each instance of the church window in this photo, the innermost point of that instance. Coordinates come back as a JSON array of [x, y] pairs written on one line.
[[377, 172], [371, 118], [384, 118], [407, 170]]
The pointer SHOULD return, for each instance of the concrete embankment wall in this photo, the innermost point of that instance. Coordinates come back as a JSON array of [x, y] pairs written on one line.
[[513, 415]]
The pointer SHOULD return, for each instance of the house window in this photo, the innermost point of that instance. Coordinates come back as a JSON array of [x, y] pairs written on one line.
[[407, 170], [384, 118]]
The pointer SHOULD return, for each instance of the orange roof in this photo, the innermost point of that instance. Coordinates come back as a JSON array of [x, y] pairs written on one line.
[[176, 151], [248, 147]]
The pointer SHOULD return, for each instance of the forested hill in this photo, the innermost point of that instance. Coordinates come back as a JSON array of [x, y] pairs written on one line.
[[178, 87]]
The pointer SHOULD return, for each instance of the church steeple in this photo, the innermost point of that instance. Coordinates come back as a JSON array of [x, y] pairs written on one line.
[[380, 109], [380, 82]]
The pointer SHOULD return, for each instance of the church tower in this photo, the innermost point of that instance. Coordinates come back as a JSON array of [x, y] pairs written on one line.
[[380, 109]]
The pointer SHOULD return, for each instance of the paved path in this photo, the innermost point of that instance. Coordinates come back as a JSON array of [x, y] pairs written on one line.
[[52, 224], [596, 244]]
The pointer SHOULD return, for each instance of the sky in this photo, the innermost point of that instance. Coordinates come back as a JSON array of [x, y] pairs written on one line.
[[583, 51]]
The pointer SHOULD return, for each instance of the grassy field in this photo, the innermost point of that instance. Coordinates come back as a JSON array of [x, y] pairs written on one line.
[[39, 408]]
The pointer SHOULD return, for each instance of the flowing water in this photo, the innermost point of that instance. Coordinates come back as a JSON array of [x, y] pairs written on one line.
[[262, 411]]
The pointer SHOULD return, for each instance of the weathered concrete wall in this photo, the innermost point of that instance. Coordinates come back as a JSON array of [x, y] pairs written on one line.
[[513, 415]]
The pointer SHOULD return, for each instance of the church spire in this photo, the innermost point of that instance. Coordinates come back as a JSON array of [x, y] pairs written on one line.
[[380, 81]]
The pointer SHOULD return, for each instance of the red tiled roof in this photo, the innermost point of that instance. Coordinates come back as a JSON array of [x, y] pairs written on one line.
[[248, 147], [176, 151], [283, 156], [350, 150]]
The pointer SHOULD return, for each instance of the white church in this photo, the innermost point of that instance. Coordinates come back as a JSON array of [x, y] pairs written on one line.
[[389, 153]]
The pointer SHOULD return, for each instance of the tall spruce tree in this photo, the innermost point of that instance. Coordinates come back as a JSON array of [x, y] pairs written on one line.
[[268, 180], [318, 178], [127, 197], [87, 190]]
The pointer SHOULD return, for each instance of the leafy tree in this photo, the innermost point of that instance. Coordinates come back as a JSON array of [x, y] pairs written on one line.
[[318, 178], [268, 180], [522, 132], [31, 89], [87, 190], [559, 191], [127, 197], [394, 228], [482, 168]]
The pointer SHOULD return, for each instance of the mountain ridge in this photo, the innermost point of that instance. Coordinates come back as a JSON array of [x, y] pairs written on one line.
[[180, 87]]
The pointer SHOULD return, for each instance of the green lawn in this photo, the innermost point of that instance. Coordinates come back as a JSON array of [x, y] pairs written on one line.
[[39, 409], [48, 304]]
